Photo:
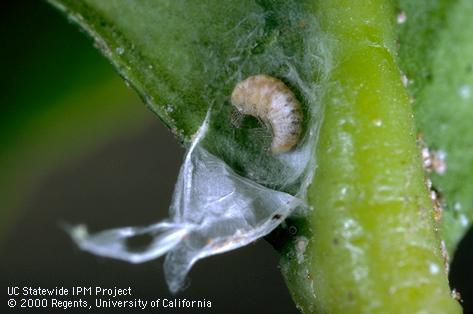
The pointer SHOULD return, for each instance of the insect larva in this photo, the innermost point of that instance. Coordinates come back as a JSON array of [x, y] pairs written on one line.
[[270, 100]]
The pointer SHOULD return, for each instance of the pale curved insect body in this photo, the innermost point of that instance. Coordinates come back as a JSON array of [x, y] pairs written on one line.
[[270, 100]]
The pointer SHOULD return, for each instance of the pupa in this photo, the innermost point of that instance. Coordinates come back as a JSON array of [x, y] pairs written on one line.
[[270, 100]]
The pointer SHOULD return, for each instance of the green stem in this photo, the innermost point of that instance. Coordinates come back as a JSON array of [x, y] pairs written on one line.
[[372, 240]]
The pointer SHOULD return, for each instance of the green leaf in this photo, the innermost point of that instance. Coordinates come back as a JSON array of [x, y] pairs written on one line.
[[184, 57], [436, 53], [370, 243]]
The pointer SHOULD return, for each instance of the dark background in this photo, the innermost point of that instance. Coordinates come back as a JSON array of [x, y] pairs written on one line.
[[126, 179]]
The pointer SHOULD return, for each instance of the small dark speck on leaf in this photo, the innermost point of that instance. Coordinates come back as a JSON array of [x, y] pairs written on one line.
[[468, 68], [292, 230], [429, 77], [350, 296]]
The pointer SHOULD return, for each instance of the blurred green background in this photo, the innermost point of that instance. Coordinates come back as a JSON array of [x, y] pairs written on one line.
[[78, 146]]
